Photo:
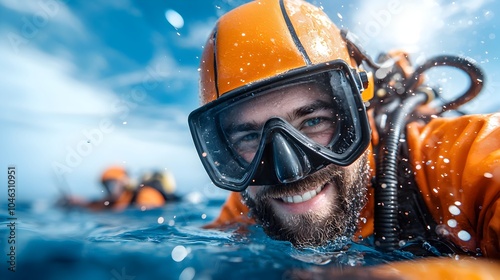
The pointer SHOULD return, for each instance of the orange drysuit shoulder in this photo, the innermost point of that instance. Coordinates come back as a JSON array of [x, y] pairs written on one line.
[[233, 211], [457, 167]]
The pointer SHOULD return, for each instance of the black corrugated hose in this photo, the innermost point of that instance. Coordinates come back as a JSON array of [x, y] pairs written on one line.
[[386, 196], [386, 203]]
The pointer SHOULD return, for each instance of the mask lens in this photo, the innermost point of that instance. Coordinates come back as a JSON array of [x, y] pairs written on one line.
[[322, 112], [306, 105]]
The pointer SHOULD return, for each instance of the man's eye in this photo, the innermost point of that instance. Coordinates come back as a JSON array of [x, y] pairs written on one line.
[[250, 137], [246, 141], [312, 122]]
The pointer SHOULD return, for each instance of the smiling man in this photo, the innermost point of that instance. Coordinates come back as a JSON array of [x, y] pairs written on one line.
[[329, 199], [284, 126]]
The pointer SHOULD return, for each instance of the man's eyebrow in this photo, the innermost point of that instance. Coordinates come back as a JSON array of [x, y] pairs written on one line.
[[234, 128], [310, 108]]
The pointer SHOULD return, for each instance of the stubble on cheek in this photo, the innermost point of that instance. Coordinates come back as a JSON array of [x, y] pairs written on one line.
[[339, 218]]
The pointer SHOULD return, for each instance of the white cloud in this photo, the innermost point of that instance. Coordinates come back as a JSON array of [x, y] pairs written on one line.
[[52, 112], [37, 15], [35, 82], [160, 69], [412, 25], [125, 5], [197, 35], [31, 7]]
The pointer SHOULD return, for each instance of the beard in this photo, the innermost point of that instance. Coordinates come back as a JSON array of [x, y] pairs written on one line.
[[337, 222]]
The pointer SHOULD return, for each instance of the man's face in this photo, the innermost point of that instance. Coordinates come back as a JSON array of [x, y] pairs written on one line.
[[324, 205]]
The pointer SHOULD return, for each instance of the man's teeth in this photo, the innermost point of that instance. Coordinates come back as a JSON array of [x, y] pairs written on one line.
[[301, 198]]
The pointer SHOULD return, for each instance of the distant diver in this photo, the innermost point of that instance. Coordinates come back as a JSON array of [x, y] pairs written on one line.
[[155, 190]]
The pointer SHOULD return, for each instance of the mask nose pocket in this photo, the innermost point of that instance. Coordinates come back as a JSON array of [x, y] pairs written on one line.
[[290, 162]]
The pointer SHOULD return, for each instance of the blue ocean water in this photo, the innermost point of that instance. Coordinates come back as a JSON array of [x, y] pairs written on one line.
[[166, 243]]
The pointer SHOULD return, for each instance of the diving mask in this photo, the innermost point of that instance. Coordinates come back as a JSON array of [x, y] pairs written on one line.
[[282, 129]]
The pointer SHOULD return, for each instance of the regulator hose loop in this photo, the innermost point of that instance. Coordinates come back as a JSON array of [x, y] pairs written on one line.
[[476, 78], [386, 227], [395, 108]]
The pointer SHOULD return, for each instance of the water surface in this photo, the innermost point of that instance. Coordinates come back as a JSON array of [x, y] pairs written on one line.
[[166, 243]]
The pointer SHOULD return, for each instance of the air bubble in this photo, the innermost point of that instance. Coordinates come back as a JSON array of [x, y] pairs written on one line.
[[161, 220], [179, 253], [174, 18], [187, 274]]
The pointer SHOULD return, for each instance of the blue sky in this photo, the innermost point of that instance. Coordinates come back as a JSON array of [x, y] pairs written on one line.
[[86, 84]]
